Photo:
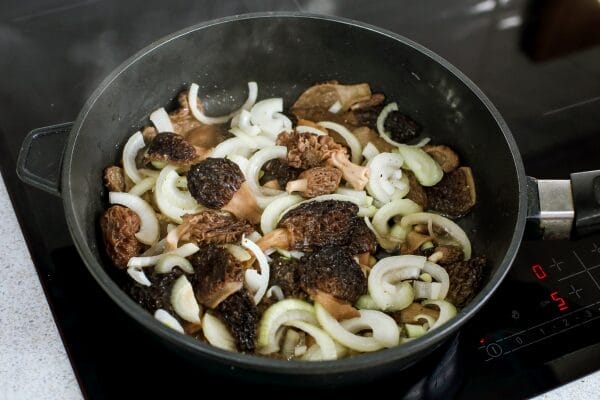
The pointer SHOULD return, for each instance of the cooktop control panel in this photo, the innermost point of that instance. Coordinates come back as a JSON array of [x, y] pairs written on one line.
[[547, 296]]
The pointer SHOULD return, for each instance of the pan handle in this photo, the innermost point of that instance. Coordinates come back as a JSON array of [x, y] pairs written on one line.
[[40, 158], [562, 208]]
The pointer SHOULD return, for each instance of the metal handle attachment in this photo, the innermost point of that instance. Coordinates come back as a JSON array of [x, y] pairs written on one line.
[[40, 158]]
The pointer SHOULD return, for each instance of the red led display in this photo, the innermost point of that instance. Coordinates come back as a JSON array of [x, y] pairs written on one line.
[[560, 302], [538, 271]]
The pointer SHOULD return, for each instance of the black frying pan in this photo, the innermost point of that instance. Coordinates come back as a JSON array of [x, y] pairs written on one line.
[[286, 53]]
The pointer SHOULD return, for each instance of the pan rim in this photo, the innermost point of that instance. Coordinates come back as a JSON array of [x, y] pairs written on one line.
[[427, 342]]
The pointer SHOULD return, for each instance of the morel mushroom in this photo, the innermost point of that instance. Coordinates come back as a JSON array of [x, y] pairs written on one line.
[[315, 182], [172, 148], [279, 170], [307, 150], [313, 225], [362, 239], [446, 254], [217, 275], [119, 225], [454, 195], [465, 279], [239, 313], [409, 314], [285, 273], [209, 227], [219, 183], [416, 192], [157, 295], [114, 179]]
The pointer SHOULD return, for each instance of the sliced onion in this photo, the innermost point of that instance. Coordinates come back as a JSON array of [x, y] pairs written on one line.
[[167, 319], [242, 122], [385, 135], [383, 326], [427, 290], [181, 183], [146, 261], [139, 276], [130, 152], [275, 291], [149, 228], [143, 186], [274, 211], [267, 115], [439, 274], [254, 236], [264, 196], [184, 301], [427, 171], [335, 107], [386, 242], [310, 129], [369, 151], [384, 179], [238, 252], [161, 121], [216, 333], [167, 262], [277, 315], [359, 195], [199, 115], [171, 201], [325, 342], [390, 210], [351, 140], [252, 96], [366, 302], [414, 330], [422, 142], [148, 172], [447, 225], [430, 320], [264, 269], [447, 312], [382, 282]]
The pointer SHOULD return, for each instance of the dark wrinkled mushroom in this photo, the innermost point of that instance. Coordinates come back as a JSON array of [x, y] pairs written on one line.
[[362, 240], [209, 227], [315, 182], [454, 195], [217, 275], [444, 156], [182, 118], [285, 273], [313, 225], [279, 170], [465, 279], [119, 225], [333, 270], [239, 313], [416, 192], [401, 127], [219, 183], [158, 294], [307, 150], [446, 254], [114, 179], [168, 147]]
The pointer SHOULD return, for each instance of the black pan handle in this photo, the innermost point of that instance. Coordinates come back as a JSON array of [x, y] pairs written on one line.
[[40, 158], [562, 208]]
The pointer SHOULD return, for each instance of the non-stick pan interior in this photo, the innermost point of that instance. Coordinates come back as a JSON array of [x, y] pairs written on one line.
[[285, 55]]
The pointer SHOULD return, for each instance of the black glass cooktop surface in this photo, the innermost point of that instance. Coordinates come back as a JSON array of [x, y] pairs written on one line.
[[537, 61]]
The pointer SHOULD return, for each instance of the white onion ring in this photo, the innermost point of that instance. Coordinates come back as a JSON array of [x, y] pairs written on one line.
[[449, 226], [149, 228], [323, 340], [370, 151], [266, 114], [200, 116], [263, 195], [439, 274], [216, 333], [427, 171], [275, 291], [184, 301], [146, 261], [264, 269], [351, 140], [310, 129], [171, 201], [381, 123], [139, 276], [383, 183], [273, 212], [389, 295], [134, 144], [383, 326], [447, 311], [277, 315], [167, 319], [335, 107], [161, 121], [143, 186], [392, 209], [167, 262]]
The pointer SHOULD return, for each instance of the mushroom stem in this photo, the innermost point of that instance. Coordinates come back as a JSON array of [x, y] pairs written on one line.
[[272, 184], [339, 309], [278, 238], [175, 235], [299, 185], [355, 175], [243, 205]]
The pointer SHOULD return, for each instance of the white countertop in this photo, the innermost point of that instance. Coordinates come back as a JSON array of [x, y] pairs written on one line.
[[33, 361]]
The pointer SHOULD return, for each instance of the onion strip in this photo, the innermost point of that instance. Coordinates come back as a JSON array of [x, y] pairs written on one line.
[[216, 333], [349, 137], [143, 186], [324, 341], [146, 261], [274, 211], [134, 144], [161, 121], [149, 228], [385, 135], [200, 116], [264, 269], [167, 319]]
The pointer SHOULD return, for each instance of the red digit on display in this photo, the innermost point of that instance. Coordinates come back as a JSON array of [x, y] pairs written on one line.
[[538, 271], [560, 302]]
